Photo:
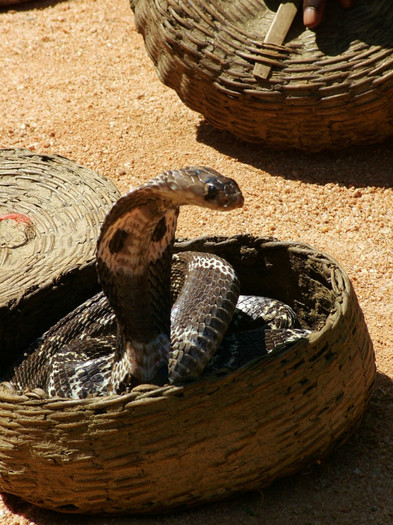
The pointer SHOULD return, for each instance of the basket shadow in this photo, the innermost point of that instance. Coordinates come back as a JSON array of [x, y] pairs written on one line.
[[370, 165], [346, 470]]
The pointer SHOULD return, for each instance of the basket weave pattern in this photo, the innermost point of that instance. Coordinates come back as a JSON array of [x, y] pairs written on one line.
[[159, 448], [329, 88]]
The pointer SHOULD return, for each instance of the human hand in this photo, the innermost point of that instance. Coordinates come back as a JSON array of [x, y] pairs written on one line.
[[313, 11]]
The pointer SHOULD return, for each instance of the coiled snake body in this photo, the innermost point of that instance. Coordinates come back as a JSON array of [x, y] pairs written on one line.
[[131, 333]]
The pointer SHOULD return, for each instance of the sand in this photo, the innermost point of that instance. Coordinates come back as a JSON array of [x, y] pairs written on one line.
[[76, 81]]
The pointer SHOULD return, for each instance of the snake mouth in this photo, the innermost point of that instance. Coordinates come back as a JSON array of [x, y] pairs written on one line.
[[224, 201], [232, 204]]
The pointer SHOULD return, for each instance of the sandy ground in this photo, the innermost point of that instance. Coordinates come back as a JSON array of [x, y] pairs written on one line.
[[76, 80]]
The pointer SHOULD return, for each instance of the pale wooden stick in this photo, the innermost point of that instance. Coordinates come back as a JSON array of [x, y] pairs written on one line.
[[277, 32]]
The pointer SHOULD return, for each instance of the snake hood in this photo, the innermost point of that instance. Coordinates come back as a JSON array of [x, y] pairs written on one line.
[[134, 253]]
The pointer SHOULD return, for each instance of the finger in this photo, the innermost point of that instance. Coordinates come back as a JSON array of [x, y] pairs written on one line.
[[313, 12]]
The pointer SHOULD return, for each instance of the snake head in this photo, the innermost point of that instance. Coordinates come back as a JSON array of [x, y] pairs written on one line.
[[198, 186], [221, 191], [218, 191]]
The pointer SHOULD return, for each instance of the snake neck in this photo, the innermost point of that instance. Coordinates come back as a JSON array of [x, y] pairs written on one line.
[[133, 262]]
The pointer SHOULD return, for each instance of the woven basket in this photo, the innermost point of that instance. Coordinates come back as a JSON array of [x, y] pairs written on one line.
[[47, 266], [159, 448], [328, 88]]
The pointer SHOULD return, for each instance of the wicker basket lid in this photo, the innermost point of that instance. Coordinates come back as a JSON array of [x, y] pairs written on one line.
[[159, 448], [51, 211], [331, 87]]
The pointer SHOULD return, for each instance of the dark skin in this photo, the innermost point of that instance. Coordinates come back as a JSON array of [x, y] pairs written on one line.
[[313, 11]]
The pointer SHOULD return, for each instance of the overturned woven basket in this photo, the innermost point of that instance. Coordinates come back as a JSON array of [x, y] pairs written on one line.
[[328, 88], [51, 211], [162, 447]]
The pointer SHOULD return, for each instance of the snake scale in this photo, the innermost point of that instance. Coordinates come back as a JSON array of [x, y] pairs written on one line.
[[161, 318]]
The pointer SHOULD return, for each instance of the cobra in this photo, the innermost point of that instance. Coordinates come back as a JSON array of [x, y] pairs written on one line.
[[161, 318]]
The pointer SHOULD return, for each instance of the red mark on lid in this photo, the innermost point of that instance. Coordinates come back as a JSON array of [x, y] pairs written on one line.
[[18, 217]]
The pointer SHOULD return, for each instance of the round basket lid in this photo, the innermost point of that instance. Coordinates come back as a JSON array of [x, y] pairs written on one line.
[[331, 87], [51, 211]]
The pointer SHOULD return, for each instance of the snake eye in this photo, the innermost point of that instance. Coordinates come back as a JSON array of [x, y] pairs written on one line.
[[212, 192]]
